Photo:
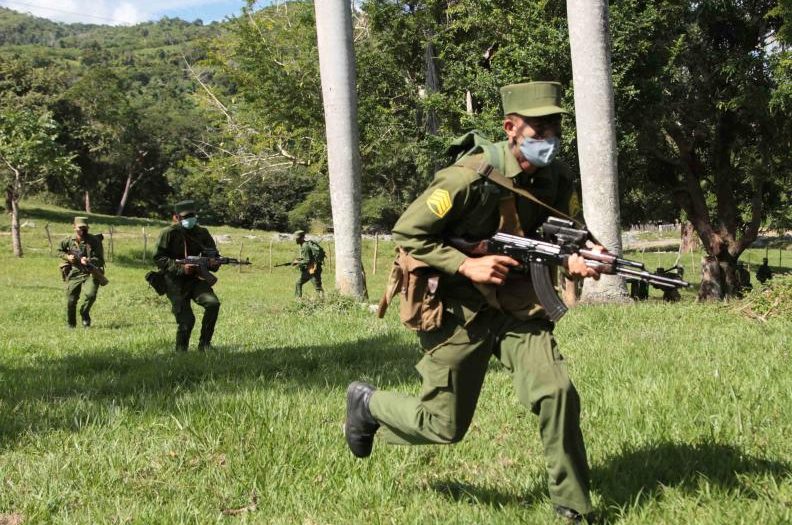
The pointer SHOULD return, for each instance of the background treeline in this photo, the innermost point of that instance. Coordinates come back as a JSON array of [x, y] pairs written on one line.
[[231, 114]]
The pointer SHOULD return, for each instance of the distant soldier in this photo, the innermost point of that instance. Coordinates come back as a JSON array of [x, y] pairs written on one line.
[[764, 273], [82, 269], [183, 283], [671, 295], [743, 278], [309, 263]]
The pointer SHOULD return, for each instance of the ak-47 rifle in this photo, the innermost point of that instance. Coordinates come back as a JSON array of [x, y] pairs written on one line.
[[203, 262], [89, 267], [561, 241]]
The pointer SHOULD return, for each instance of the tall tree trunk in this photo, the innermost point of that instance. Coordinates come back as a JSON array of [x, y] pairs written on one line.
[[16, 238], [87, 202], [124, 196], [596, 135], [337, 70]]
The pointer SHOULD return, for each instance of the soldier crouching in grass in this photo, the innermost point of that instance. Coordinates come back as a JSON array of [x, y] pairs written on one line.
[[183, 283], [82, 269], [485, 309]]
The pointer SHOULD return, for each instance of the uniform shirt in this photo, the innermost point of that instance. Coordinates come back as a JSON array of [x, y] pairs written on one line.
[[90, 246], [461, 203], [175, 243]]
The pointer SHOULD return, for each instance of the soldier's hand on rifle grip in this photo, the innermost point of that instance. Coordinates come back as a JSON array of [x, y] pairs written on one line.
[[84, 261], [72, 258], [213, 264], [490, 269], [190, 269]]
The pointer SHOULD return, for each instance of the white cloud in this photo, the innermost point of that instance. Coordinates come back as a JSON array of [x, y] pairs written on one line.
[[101, 11]]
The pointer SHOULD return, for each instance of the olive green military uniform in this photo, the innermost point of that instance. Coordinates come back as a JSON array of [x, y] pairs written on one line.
[[78, 280], [304, 262], [459, 202], [175, 242]]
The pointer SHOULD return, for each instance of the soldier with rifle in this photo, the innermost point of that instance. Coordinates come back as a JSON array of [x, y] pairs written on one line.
[[82, 270], [309, 263], [189, 280], [466, 309]]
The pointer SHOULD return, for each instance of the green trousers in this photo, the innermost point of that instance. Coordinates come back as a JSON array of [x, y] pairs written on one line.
[[180, 298], [76, 283], [453, 367], [304, 277]]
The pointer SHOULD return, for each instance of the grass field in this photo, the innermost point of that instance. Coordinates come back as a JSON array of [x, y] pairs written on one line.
[[687, 408]]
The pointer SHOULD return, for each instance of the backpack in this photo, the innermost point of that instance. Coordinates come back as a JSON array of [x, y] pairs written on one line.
[[317, 252], [470, 142]]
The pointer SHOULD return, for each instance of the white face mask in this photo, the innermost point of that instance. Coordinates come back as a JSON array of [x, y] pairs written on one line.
[[540, 152], [189, 222]]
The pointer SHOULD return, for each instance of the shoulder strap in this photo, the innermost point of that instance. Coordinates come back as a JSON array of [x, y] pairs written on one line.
[[487, 171]]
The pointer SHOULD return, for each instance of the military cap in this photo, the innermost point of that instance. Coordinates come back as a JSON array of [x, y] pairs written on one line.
[[532, 99], [81, 222], [184, 207], [299, 233]]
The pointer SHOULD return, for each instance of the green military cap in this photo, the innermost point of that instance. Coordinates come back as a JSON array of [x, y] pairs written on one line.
[[299, 233], [184, 207], [532, 99], [81, 221]]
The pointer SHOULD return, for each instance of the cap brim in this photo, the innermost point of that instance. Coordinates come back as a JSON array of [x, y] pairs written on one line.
[[541, 111]]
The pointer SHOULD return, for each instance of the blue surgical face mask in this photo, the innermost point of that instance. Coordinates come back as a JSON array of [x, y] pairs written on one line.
[[540, 152], [189, 222]]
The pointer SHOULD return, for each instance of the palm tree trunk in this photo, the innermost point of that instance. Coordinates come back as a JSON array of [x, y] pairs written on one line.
[[337, 70], [596, 135]]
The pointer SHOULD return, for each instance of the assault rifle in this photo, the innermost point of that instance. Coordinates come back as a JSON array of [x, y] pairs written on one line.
[[561, 241], [203, 263], [96, 272], [290, 263]]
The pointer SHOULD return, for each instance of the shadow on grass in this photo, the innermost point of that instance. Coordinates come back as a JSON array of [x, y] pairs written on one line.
[[47, 395], [462, 492], [635, 477]]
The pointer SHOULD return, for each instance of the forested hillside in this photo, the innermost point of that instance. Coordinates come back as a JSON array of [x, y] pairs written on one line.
[[231, 113]]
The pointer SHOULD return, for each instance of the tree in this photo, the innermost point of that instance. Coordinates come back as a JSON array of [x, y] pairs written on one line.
[[337, 65], [596, 131], [695, 96], [29, 151]]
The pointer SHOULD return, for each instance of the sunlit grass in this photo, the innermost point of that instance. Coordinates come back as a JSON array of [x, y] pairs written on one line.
[[686, 408]]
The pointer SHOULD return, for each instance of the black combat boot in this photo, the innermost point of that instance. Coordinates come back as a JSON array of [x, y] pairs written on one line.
[[360, 426], [86, 320]]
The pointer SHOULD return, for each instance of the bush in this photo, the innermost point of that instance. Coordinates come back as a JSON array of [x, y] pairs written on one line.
[[773, 299]]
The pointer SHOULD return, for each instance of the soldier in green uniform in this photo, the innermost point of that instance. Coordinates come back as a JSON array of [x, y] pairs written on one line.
[[79, 251], [764, 273], [182, 238], [488, 310], [309, 266]]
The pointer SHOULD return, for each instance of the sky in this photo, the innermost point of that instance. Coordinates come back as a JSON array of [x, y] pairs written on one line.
[[126, 12]]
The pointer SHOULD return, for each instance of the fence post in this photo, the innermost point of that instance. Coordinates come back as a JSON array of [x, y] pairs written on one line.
[[376, 249], [270, 254], [241, 245], [145, 244], [49, 237], [111, 242]]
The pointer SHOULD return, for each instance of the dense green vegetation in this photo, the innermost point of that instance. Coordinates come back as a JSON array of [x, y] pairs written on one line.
[[686, 408], [231, 113]]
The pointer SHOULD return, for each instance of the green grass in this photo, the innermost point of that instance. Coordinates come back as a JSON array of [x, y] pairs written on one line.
[[686, 408]]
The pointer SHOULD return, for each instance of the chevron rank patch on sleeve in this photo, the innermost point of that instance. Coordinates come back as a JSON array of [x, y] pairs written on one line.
[[439, 202]]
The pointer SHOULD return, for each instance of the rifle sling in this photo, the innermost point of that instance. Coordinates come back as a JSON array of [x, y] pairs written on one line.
[[486, 170]]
